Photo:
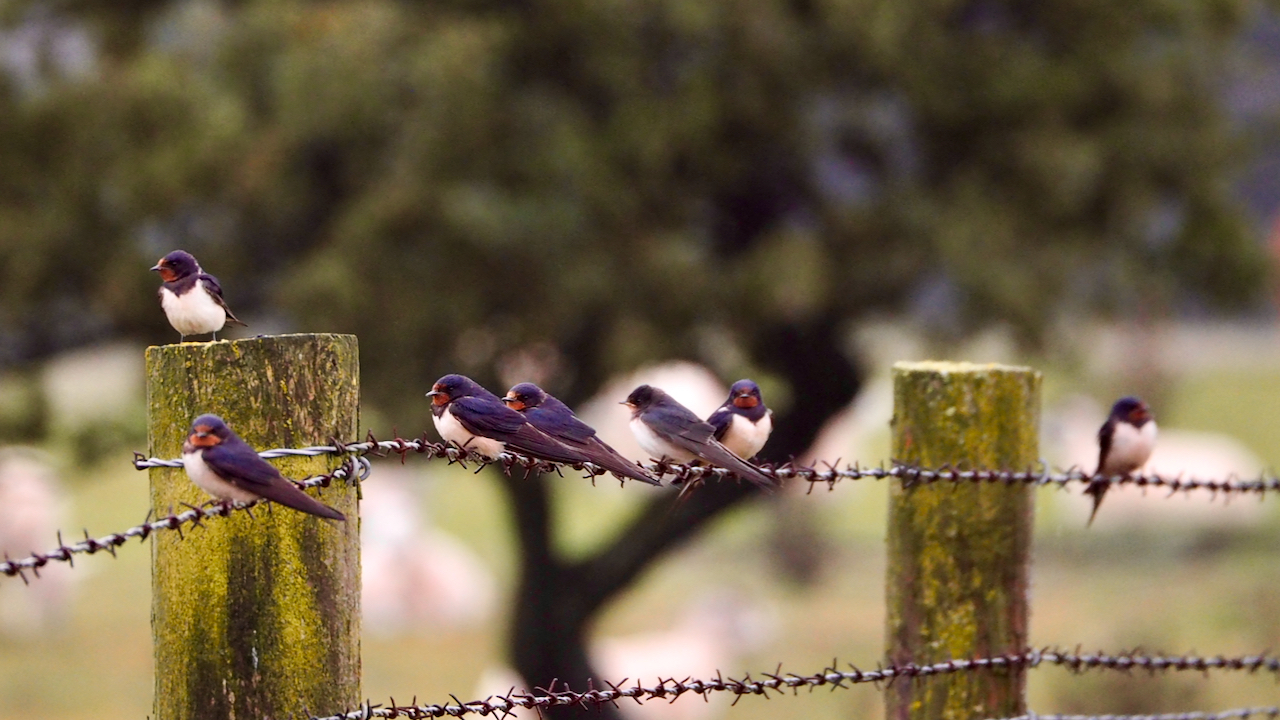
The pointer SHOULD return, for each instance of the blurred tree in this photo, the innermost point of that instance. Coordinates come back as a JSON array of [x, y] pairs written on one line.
[[470, 184]]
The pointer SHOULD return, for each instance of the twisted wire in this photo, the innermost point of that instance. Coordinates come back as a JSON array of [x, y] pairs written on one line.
[[820, 473], [193, 517], [670, 688], [358, 452]]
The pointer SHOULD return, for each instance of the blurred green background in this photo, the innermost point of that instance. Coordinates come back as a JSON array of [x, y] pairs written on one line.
[[574, 193]]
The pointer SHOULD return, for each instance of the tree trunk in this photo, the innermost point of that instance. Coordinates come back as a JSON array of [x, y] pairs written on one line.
[[557, 601]]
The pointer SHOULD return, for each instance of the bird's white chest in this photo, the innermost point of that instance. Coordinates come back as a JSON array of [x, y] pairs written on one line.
[[206, 479], [453, 431], [745, 438], [193, 313], [1130, 448], [657, 446]]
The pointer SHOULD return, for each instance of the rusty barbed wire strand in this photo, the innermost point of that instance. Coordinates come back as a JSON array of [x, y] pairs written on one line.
[[381, 448], [358, 452], [193, 516], [1270, 712], [821, 473], [670, 689]]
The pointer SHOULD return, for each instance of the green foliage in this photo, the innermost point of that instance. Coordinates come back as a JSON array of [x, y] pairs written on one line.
[[613, 179]]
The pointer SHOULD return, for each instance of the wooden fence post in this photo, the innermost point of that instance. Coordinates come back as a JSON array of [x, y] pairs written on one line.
[[256, 617], [958, 556]]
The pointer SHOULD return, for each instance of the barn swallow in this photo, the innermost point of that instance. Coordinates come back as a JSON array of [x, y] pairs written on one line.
[[224, 466], [1125, 441], [554, 418], [668, 430], [743, 423], [475, 419], [191, 298]]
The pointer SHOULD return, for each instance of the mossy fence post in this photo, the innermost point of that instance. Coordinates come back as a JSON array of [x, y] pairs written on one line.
[[256, 617], [958, 556]]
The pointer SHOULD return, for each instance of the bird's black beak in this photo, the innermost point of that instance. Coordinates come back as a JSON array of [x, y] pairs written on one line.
[[156, 268], [508, 399], [433, 393]]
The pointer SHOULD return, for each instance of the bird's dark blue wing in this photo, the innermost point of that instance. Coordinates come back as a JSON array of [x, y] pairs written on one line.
[[1105, 433], [557, 420], [482, 416], [721, 420], [237, 463], [210, 284], [686, 431], [676, 420], [490, 418], [234, 461], [1098, 488], [713, 452]]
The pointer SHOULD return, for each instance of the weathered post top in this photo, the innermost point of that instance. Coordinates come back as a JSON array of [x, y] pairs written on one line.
[[958, 555], [256, 616]]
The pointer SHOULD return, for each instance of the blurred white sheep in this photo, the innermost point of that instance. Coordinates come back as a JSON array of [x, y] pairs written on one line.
[[33, 506]]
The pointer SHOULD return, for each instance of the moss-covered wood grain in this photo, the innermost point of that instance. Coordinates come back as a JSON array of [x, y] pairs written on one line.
[[958, 556], [256, 617]]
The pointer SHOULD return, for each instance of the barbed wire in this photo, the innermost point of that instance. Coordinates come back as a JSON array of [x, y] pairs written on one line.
[[670, 689], [193, 516], [358, 453], [821, 473], [1271, 712]]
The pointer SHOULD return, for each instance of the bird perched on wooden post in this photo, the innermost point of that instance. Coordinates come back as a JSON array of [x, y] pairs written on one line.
[[191, 298]]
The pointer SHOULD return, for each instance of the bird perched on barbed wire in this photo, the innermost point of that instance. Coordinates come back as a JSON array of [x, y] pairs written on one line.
[[223, 465], [554, 418], [192, 298], [1125, 442], [475, 419], [743, 423], [668, 430]]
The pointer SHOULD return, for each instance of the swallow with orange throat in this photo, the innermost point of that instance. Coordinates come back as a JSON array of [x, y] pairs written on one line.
[[548, 414], [223, 465], [743, 423], [668, 430], [191, 298], [475, 419]]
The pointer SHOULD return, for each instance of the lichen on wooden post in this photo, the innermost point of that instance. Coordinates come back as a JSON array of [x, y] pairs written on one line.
[[958, 555], [256, 617]]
